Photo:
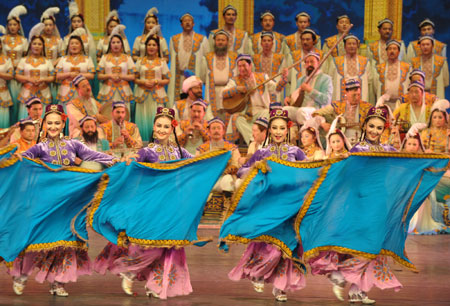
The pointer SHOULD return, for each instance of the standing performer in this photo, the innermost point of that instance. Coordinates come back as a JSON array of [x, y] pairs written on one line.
[[359, 271], [150, 22], [35, 72], [152, 75], [74, 63], [65, 264], [267, 20], [77, 22], [293, 42], [53, 41], [262, 262], [15, 46], [186, 52], [112, 21], [6, 74], [238, 41], [116, 69], [426, 27]]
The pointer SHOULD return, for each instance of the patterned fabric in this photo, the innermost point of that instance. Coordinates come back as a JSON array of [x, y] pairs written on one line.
[[238, 38], [339, 108], [404, 69], [130, 127], [156, 153], [206, 147], [438, 61], [182, 139], [256, 41], [339, 64], [438, 47], [435, 139]]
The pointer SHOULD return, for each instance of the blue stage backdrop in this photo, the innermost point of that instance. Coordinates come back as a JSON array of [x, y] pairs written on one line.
[[323, 12]]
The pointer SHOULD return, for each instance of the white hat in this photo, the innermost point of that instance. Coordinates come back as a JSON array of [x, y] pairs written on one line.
[[190, 82]]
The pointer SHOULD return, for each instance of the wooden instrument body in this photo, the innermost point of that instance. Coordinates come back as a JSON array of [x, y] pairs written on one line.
[[236, 103]]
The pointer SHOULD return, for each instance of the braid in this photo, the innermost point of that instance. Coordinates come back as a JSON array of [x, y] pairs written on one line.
[[178, 144]]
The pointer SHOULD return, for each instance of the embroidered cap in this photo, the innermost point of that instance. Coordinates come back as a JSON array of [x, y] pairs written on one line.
[[311, 31], [216, 120], [424, 37], [117, 104], [267, 33], [275, 105], [267, 13], [342, 17], [165, 111], [229, 7], [416, 84], [350, 36], [86, 118], [425, 22], [302, 14], [385, 20], [262, 121], [312, 53], [393, 42], [54, 108], [246, 57], [352, 83], [221, 32], [377, 112], [186, 15], [32, 100], [78, 79], [200, 102], [417, 72], [191, 82], [26, 121], [279, 113]]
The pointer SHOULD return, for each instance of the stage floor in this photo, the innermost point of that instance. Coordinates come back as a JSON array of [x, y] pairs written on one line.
[[209, 268]]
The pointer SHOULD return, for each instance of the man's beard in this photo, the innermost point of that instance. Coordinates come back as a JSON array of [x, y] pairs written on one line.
[[309, 70], [220, 51], [90, 137]]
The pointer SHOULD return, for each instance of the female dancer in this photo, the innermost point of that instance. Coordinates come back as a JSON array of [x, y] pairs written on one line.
[[6, 74], [152, 261], [64, 264], [359, 271], [112, 21], [271, 267]]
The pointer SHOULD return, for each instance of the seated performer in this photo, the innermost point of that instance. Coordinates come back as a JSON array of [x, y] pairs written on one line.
[[317, 93], [194, 132], [259, 133], [216, 131], [123, 136], [83, 105], [352, 109], [193, 87], [259, 99], [57, 150], [359, 271], [34, 110], [27, 135], [271, 266], [152, 260]]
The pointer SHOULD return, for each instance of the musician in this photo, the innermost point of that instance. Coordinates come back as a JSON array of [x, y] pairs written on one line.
[[426, 27], [377, 50], [267, 20], [27, 135], [238, 41], [415, 110], [434, 66], [293, 42], [91, 135], [193, 88], [316, 93], [121, 134], [259, 99], [350, 66], [352, 110], [186, 52], [216, 70], [83, 105], [392, 76], [193, 132]]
